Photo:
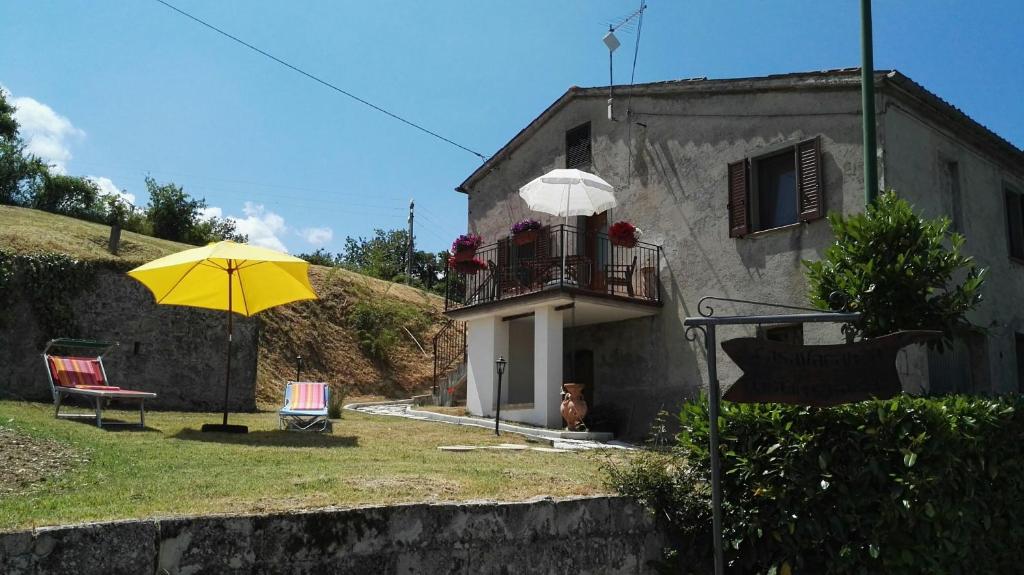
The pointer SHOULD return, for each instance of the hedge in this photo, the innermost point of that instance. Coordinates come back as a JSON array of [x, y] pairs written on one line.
[[908, 485]]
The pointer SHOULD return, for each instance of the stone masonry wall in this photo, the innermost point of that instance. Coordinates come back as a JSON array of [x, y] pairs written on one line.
[[577, 536], [177, 352]]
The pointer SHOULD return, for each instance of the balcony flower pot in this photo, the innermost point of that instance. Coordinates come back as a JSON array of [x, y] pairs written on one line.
[[464, 247], [525, 231], [525, 237], [574, 407], [624, 234], [469, 266]]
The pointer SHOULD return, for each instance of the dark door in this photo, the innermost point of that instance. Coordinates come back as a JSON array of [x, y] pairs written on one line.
[[594, 248]]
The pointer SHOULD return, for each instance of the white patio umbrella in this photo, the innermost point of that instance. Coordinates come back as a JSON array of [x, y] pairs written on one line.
[[568, 192]]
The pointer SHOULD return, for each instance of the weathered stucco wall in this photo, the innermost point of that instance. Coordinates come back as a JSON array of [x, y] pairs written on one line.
[[674, 188], [605, 535], [177, 352], [916, 149]]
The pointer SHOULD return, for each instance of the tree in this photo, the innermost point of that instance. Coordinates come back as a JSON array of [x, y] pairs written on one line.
[[899, 270], [21, 173], [214, 230], [382, 256], [320, 257], [172, 212], [69, 195], [8, 125]]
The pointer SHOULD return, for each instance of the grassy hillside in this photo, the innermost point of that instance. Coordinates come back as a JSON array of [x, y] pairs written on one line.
[[317, 330]]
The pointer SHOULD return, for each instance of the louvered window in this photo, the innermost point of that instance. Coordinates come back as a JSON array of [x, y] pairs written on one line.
[[1015, 223], [577, 147], [776, 190]]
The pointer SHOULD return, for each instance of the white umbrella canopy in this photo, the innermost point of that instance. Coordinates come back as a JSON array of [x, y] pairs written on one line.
[[565, 192]]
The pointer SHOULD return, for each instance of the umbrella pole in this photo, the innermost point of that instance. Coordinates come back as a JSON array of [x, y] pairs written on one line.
[[227, 376]]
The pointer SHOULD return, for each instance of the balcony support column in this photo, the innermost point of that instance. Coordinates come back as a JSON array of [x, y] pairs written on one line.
[[486, 339], [547, 366]]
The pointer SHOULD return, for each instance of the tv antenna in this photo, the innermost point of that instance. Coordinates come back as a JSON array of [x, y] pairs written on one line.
[[612, 42]]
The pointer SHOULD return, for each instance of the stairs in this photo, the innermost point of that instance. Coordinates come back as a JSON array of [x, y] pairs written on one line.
[[449, 384]]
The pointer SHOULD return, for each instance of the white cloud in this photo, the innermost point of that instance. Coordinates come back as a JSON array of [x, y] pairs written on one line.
[[263, 228], [47, 133], [210, 212], [106, 186], [317, 237]]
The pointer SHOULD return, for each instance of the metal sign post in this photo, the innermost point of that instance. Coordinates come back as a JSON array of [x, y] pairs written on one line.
[[706, 324]]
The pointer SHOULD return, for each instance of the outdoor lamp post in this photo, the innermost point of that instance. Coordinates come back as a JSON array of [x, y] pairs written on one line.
[[500, 363]]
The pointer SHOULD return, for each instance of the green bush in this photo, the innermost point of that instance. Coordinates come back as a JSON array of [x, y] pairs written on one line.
[[379, 322], [908, 485], [899, 270]]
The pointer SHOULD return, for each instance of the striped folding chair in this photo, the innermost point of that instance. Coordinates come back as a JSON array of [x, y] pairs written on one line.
[[305, 406]]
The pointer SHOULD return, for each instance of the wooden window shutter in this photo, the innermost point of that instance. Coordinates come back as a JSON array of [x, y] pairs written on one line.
[[810, 193], [739, 199], [577, 147]]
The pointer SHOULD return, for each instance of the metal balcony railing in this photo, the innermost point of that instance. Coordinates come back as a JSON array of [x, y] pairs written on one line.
[[561, 257]]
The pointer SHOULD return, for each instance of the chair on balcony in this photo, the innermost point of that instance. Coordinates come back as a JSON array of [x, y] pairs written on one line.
[[620, 275]]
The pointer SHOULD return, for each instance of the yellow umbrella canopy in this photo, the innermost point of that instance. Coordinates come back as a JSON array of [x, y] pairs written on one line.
[[228, 276], [260, 278]]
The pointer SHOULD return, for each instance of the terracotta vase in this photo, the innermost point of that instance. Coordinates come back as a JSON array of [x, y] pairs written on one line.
[[574, 407]]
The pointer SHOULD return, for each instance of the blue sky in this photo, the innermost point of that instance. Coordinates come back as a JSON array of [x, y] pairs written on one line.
[[119, 89]]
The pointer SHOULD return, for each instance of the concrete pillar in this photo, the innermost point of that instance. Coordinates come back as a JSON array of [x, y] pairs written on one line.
[[547, 366], [486, 339]]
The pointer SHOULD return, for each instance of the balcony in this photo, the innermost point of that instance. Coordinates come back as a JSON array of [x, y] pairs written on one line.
[[557, 261]]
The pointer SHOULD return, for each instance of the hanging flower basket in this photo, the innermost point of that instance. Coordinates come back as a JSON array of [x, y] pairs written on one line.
[[468, 266], [464, 247], [624, 234], [525, 232]]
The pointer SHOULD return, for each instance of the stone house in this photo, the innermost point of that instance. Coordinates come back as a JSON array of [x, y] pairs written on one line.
[[730, 181]]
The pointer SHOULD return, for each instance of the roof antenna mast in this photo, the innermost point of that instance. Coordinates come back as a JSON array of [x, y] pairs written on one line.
[[612, 43]]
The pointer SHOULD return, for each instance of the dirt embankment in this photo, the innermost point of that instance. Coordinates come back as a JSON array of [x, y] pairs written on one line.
[[321, 333]]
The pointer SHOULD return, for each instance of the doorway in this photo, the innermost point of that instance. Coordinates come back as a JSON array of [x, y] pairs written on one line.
[[595, 229]]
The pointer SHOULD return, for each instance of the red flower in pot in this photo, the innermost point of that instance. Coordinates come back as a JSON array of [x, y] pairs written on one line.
[[525, 232], [468, 266], [624, 234]]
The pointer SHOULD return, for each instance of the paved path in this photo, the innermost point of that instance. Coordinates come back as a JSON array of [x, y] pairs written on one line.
[[402, 409]]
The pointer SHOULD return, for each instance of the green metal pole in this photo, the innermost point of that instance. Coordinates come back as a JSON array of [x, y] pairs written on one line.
[[867, 81]]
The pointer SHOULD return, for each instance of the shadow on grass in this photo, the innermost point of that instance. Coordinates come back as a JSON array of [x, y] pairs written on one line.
[[109, 424], [270, 438]]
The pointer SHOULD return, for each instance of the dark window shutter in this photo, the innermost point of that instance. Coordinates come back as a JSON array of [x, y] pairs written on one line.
[[577, 147], [739, 200], [1015, 223], [810, 192]]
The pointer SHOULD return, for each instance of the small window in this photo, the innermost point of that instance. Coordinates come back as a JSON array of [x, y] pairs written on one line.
[[952, 176], [791, 334], [776, 190], [577, 147], [1015, 223]]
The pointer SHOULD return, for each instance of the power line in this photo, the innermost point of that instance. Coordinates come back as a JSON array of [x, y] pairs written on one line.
[[321, 81]]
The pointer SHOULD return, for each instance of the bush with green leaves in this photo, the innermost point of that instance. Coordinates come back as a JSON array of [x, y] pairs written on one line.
[[49, 282], [380, 323], [907, 485], [899, 270]]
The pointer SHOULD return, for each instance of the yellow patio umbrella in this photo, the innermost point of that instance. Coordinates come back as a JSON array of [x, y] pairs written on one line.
[[228, 276]]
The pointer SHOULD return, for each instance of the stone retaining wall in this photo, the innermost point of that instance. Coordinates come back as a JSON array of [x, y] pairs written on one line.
[[577, 535], [177, 352]]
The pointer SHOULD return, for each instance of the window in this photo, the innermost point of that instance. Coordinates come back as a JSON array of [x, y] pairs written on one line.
[[776, 190], [577, 147], [951, 174], [1015, 223]]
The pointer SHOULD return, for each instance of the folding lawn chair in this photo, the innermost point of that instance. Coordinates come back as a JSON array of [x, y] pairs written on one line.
[[305, 406], [85, 377]]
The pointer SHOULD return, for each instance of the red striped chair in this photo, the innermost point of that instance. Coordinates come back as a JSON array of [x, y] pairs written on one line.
[[85, 377], [305, 406]]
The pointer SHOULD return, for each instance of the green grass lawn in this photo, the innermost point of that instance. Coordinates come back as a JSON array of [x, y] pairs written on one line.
[[173, 469]]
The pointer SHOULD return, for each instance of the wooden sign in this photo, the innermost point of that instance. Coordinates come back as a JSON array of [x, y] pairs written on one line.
[[819, 375]]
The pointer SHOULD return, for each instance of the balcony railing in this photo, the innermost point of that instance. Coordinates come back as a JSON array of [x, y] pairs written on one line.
[[556, 257]]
